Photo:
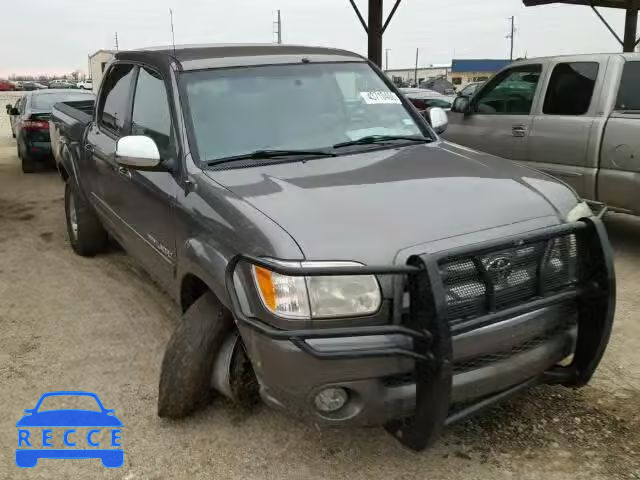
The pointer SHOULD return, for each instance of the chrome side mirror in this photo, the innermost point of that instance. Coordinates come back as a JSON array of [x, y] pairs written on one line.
[[138, 152], [439, 119]]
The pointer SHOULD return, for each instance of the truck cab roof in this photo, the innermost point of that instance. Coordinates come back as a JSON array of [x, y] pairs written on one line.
[[198, 56]]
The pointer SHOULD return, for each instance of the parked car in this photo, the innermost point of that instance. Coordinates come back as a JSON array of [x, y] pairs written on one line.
[[470, 89], [440, 85], [29, 119], [6, 86], [338, 255], [59, 84], [30, 86], [424, 99], [85, 85], [573, 117]]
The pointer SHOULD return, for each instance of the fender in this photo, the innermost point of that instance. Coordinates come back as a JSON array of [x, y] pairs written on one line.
[[200, 258]]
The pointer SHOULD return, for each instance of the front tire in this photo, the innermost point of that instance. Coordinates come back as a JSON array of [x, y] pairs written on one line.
[[187, 366], [86, 234]]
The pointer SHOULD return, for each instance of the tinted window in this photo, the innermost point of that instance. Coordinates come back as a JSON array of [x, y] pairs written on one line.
[[570, 88], [629, 93], [151, 115], [45, 101], [306, 106], [115, 97], [511, 92]]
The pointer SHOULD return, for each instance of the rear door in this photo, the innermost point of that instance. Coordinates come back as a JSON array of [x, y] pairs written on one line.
[[619, 175], [500, 115], [565, 133], [146, 199], [102, 175]]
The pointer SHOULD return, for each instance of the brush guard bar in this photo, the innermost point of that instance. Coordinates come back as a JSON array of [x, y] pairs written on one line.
[[430, 329]]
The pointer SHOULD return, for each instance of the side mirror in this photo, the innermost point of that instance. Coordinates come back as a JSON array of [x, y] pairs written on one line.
[[14, 111], [439, 119], [461, 105], [8, 107], [138, 152]]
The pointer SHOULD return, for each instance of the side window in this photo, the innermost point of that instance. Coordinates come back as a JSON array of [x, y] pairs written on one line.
[[151, 113], [570, 88], [115, 97], [511, 92], [629, 93]]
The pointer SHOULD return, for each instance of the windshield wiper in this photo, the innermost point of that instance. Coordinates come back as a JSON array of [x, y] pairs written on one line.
[[371, 139], [264, 154]]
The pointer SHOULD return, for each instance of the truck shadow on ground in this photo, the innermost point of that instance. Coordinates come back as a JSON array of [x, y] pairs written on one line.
[[624, 232]]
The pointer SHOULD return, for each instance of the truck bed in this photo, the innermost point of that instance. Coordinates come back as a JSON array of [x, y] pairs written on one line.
[[73, 117]]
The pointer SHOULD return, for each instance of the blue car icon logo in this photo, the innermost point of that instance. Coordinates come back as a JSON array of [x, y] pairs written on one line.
[[32, 447]]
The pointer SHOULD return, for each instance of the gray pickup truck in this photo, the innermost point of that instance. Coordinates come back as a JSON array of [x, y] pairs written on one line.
[[574, 117], [329, 252]]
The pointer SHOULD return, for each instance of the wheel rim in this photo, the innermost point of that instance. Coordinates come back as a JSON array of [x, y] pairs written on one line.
[[73, 217]]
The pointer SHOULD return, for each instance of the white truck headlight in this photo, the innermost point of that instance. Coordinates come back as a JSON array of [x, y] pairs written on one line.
[[318, 296]]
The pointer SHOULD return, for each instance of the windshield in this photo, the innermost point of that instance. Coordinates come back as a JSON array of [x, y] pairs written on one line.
[[306, 106], [46, 100]]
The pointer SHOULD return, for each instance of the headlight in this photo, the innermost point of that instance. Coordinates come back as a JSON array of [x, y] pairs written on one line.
[[318, 296]]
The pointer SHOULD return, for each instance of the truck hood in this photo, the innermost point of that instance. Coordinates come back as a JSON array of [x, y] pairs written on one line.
[[370, 205]]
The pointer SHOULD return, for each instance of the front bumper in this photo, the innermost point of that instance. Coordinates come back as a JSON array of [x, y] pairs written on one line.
[[422, 374]]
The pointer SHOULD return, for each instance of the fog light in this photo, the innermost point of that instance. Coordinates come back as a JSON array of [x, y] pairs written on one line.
[[331, 399]]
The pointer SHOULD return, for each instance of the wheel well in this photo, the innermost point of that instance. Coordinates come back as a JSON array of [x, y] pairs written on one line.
[[191, 289]]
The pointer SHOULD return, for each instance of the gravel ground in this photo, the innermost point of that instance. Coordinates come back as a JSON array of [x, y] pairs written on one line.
[[100, 325]]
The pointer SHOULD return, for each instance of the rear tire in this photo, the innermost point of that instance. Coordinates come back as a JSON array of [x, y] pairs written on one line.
[[187, 366], [86, 234], [27, 162]]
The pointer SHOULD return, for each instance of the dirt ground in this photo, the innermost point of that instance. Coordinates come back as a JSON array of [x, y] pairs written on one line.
[[72, 323]]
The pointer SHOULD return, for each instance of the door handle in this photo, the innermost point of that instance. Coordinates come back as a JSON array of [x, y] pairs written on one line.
[[519, 131], [125, 172]]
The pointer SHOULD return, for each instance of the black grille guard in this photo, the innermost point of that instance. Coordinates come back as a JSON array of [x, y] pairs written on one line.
[[431, 332]]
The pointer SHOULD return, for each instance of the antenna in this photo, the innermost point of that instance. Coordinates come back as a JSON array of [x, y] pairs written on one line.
[[173, 37]]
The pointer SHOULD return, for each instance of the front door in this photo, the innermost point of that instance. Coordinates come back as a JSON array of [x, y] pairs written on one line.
[[500, 116]]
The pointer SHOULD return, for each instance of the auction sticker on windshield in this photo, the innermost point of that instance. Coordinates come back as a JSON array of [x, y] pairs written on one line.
[[381, 97]]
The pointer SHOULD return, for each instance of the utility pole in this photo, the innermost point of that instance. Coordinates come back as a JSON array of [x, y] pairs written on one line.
[[510, 35], [375, 31], [416, 70], [375, 28], [116, 37], [386, 60], [278, 28], [631, 26]]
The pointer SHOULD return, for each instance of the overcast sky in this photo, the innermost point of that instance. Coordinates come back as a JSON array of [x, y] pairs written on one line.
[[42, 36]]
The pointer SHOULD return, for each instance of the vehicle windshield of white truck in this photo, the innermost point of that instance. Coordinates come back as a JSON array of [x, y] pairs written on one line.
[[307, 106]]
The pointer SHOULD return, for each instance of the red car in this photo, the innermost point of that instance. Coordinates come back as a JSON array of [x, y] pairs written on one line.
[[6, 86]]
